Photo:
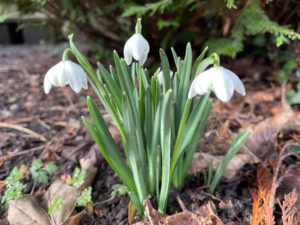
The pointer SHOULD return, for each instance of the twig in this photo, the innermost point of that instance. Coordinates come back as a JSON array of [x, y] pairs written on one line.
[[182, 206], [3, 158], [23, 129]]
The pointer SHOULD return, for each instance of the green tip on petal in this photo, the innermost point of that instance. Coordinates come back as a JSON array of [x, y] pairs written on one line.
[[138, 26]]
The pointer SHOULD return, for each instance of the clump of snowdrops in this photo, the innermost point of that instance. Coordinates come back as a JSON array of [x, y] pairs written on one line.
[[160, 116]]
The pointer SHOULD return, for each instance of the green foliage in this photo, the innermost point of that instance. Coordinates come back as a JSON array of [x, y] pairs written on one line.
[[40, 173], [252, 21], [230, 4], [225, 46], [56, 205], [85, 198], [13, 186], [151, 8], [159, 125], [78, 177]]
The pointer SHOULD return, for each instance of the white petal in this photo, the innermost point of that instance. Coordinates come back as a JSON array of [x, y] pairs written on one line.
[[223, 85], [143, 59], [204, 82], [74, 73], [237, 83], [127, 53], [51, 77], [47, 84], [56, 74]]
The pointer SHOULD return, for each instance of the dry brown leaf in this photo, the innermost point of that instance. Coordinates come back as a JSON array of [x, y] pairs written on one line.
[[69, 197], [183, 218], [74, 220], [263, 131], [263, 96], [83, 149], [90, 172], [27, 211], [131, 212], [201, 161]]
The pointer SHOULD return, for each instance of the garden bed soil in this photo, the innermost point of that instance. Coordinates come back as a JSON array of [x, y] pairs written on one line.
[[57, 118]]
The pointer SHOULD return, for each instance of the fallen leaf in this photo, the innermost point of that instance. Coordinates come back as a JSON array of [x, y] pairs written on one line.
[[183, 218], [74, 220], [69, 197], [263, 96], [201, 161], [27, 211], [2, 184], [90, 172], [83, 149], [131, 212], [263, 131]]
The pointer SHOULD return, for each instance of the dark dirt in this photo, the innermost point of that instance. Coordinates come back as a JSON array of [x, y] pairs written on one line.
[[57, 118]]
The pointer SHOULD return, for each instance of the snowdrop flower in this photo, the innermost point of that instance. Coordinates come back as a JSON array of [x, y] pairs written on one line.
[[160, 76], [136, 46], [222, 81], [63, 73]]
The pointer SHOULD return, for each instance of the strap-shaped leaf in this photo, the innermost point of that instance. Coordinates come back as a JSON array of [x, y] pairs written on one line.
[[112, 85], [233, 149], [152, 155], [198, 61], [136, 150], [165, 129], [175, 57], [185, 76], [166, 70], [112, 156], [190, 148]]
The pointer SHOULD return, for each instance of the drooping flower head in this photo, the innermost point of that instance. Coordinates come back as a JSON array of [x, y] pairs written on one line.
[[136, 46], [63, 73], [220, 80]]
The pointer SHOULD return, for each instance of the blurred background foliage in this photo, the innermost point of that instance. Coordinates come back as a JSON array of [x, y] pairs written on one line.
[[232, 28]]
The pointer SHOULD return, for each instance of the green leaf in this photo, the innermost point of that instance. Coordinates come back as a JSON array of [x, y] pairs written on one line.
[[165, 23], [165, 129], [85, 197], [5, 17], [42, 177], [166, 70], [122, 189], [35, 168], [56, 205], [233, 149], [78, 177], [51, 168]]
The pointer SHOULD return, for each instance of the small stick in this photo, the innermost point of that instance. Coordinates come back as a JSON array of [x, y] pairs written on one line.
[[23, 129], [182, 206], [3, 158]]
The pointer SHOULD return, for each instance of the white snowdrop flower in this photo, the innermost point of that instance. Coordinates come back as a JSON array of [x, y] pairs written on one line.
[[160, 76], [222, 81], [137, 47], [63, 73]]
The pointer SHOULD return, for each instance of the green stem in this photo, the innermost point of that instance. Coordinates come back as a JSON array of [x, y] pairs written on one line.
[[179, 135], [138, 26], [66, 54]]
